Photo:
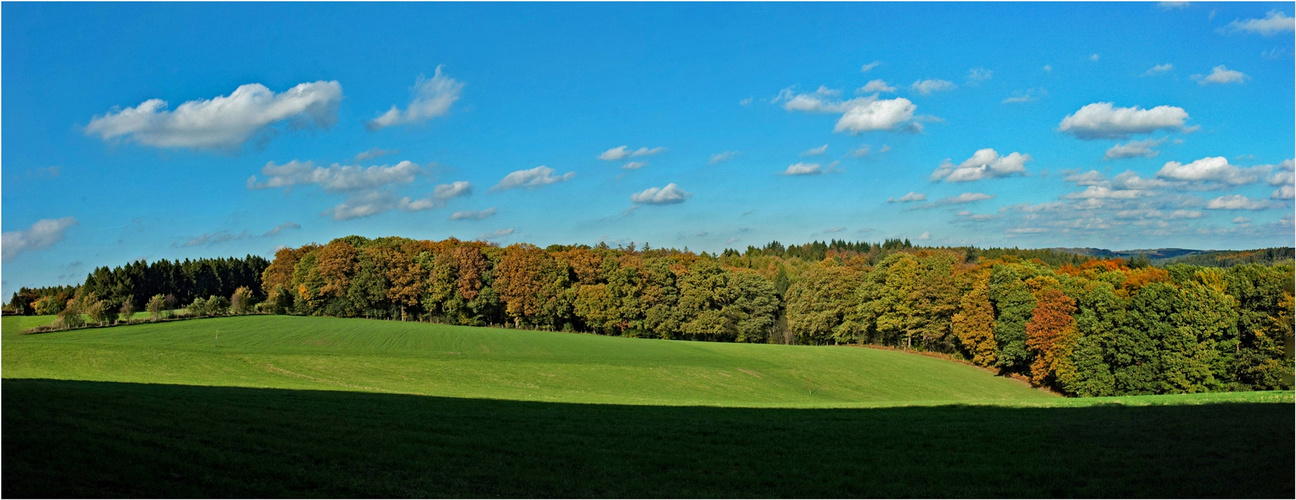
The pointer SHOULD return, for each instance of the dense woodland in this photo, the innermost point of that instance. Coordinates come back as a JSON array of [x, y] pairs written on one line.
[[1076, 324]]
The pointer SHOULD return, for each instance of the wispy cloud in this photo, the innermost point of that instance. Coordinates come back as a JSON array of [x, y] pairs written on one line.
[[803, 169], [911, 197], [815, 151], [869, 67], [432, 99], [1134, 149], [1273, 23], [495, 235], [926, 87], [42, 234], [531, 178], [1159, 69], [473, 214], [622, 152], [722, 157]]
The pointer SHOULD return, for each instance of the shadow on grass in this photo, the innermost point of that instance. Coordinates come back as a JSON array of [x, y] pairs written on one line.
[[98, 439]]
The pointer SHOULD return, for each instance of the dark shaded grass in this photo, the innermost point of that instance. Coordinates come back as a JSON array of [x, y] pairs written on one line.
[[100, 439]]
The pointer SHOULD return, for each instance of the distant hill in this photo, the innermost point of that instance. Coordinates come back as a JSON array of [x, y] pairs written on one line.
[[1212, 258]]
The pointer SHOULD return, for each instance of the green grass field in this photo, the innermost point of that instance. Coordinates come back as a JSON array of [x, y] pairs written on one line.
[[324, 407]]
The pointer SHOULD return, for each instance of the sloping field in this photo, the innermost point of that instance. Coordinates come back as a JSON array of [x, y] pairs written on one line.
[[411, 358]]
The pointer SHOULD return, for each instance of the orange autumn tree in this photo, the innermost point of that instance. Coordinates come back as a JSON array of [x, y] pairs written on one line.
[[1051, 336]]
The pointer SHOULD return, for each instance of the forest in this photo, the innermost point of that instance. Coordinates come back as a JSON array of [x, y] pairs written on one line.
[[1075, 324]]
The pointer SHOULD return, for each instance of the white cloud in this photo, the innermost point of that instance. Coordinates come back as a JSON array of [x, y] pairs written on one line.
[[634, 165], [1283, 193], [1239, 202], [834, 230], [1048, 68], [803, 169], [1221, 75], [531, 178], [1172, 5], [1273, 23], [961, 199], [979, 74], [984, 164], [1159, 69], [280, 228], [1241, 220], [374, 202], [622, 152], [373, 153], [884, 149], [495, 234], [722, 157], [926, 235], [473, 214], [1093, 57], [869, 67], [911, 197], [223, 122], [1134, 149], [432, 98], [860, 152], [815, 151], [745, 102], [1284, 175], [334, 178], [1216, 169], [41, 235], [1101, 120], [926, 87], [1131, 180], [867, 114], [1105, 193], [440, 195], [1090, 178], [1027, 96], [878, 85], [660, 196], [860, 114]]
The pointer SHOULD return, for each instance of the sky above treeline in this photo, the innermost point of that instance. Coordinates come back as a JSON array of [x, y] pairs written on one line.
[[149, 131]]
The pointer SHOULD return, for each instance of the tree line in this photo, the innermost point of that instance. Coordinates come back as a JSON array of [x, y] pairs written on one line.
[[1078, 325]]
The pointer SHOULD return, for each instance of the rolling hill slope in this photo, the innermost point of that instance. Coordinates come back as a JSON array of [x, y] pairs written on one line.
[[411, 358]]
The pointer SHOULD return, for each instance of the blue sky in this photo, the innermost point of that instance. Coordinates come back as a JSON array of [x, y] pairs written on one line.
[[189, 130]]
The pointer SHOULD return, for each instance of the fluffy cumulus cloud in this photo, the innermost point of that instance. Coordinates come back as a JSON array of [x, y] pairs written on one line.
[[984, 164], [1102, 120], [1221, 75], [868, 114], [911, 197], [668, 195], [1240, 202], [432, 98], [1134, 149], [1283, 175], [41, 235], [622, 152], [1284, 193], [803, 169], [531, 178], [926, 87], [473, 214], [1216, 169], [722, 157], [223, 122], [1271, 24], [861, 114], [335, 177], [874, 86]]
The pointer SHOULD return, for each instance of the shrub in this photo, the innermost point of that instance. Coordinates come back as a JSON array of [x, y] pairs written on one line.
[[241, 301], [155, 305], [217, 306], [198, 307], [70, 317], [127, 310]]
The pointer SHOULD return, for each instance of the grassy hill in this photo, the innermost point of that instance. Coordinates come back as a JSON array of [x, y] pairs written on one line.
[[414, 358], [324, 407]]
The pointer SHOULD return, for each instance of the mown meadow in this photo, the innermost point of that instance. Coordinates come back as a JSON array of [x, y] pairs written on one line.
[[328, 407]]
